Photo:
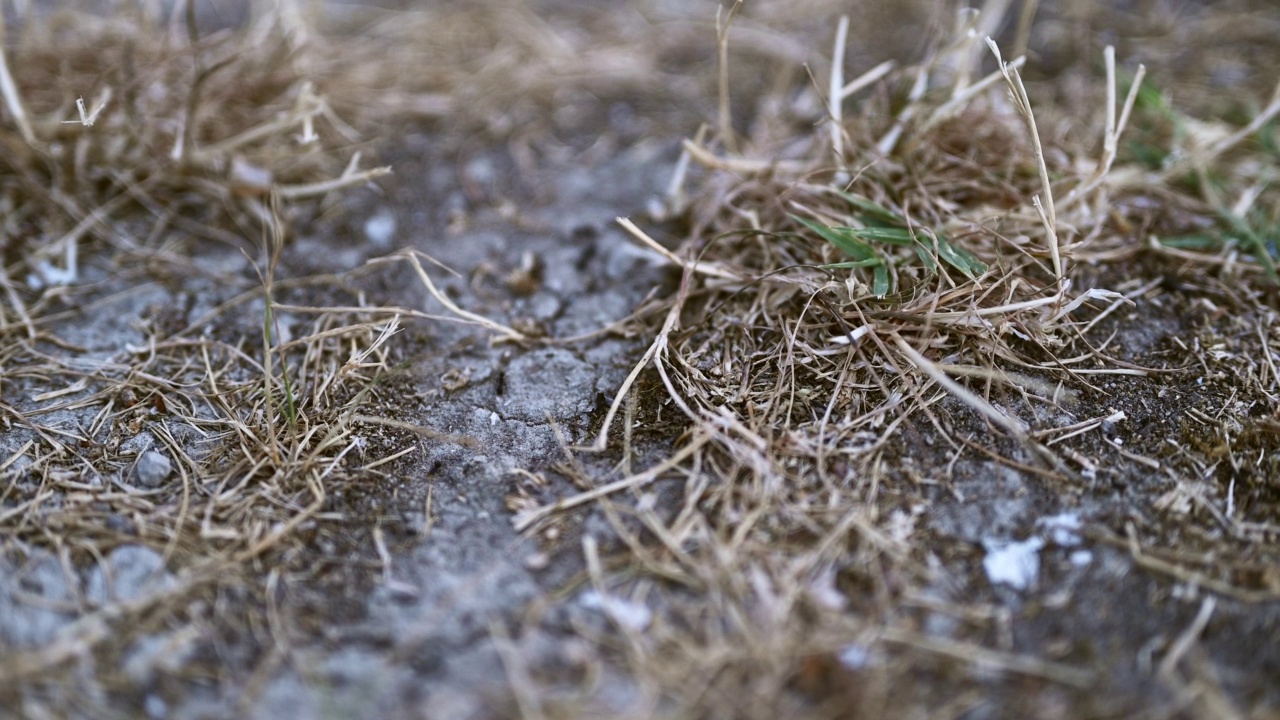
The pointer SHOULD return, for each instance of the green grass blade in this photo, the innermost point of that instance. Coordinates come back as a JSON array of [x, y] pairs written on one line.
[[961, 259], [852, 264], [1252, 240], [1192, 242], [841, 238], [891, 235], [926, 257], [864, 255], [880, 281], [874, 209]]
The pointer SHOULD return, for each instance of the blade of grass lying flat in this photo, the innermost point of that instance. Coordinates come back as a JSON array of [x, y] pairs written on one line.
[[961, 259], [926, 257], [1192, 242], [891, 235], [876, 210], [1267, 139], [1150, 156], [880, 281], [851, 264], [958, 258], [1252, 240], [854, 242], [863, 254], [892, 228], [841, 238]]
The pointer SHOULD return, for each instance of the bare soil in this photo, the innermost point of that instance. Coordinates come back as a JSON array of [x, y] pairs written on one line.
[[231, 485]]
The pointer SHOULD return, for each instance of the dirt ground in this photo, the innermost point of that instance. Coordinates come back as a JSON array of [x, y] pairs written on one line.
[[272, 451]]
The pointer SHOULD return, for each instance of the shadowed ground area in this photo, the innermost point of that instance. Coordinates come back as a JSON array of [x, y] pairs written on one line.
[[639, 360]]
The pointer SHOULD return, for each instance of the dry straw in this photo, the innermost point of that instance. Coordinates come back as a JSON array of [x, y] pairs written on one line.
[[889, 271], [912, 276]]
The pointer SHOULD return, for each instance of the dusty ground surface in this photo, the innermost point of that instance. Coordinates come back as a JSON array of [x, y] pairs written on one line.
[[181, 541]]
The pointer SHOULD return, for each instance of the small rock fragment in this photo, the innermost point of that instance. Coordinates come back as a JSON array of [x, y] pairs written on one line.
[[1014, 563], [380, 230], [130, 572], [152, 470]]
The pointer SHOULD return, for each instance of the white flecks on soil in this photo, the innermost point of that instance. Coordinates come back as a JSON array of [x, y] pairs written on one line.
[[1015, 563], [855, 656], [380, 229], [1063, 528], [629, 615]]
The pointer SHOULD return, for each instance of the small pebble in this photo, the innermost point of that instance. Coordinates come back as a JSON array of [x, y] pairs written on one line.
[[152, 469], [380, 230], [156, 707]]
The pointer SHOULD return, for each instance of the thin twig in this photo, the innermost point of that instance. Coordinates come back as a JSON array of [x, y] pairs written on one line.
[[723, 22], [1188, 637], [9, 89], [835, 93], [1045, 208]]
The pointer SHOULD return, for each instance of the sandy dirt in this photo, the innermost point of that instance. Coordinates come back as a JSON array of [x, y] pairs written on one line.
[[1143, 583]]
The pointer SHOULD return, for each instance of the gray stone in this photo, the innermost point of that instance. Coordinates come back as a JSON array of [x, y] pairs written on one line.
[[152, 470], [131, 572], [30, 592]]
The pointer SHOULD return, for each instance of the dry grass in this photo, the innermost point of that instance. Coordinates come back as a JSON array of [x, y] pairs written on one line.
[[869, 268], [895, 277], [185, 137], [140, 139]]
